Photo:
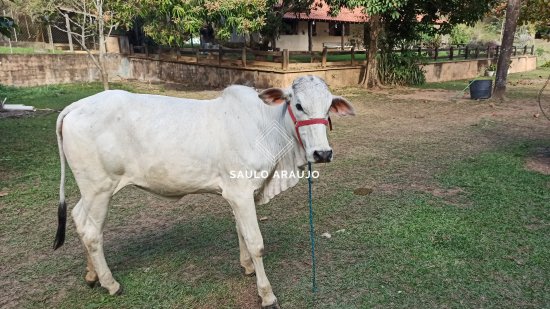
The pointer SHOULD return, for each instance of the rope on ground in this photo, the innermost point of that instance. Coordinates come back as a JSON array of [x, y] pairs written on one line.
[[312, 234]]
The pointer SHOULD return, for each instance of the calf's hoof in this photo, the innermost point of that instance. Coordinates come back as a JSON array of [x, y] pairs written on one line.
[[91, 283], [115, 290], [91, 279], [275, 305], [249, 273]]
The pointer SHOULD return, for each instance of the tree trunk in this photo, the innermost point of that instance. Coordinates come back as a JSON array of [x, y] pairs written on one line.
[[69, 32], [102, 47], [371, 74], [512, 13]]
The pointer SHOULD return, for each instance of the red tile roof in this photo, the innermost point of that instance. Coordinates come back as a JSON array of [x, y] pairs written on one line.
[[320, 12]]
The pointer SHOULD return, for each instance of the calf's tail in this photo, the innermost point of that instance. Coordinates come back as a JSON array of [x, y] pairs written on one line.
[[62, 209]]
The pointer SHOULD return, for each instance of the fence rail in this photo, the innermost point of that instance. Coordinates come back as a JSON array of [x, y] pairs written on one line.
[[458, 53], [285, 59]]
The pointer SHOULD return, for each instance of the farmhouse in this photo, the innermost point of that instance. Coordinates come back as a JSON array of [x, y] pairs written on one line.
[[338, 32]]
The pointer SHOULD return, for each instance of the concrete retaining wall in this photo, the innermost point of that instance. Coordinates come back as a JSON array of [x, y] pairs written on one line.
[[446, 71], [44, 69]]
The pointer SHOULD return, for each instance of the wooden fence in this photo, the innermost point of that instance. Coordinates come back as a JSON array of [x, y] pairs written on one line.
[[288, 60]]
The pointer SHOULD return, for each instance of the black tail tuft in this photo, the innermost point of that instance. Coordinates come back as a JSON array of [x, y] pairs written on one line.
[[62, 223]]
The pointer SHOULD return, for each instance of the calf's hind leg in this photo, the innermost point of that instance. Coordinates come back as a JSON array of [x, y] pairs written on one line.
[[89, 217]]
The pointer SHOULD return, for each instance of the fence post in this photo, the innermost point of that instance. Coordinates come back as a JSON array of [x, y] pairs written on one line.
[[324, 57], [488, 52], [525, 49], [515, 51], [477, 52], [497, 50], [436, 53], [419, 51], [285, 55], [243, 56], [197, 53], [353, 55], [451, 51], [220, 54], [466, 52], [532, 50], [131, 49], [146, 50]]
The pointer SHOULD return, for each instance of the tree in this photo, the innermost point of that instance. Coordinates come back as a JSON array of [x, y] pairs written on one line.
[[172, 22], [535, 11], [83, 20], [510, 24], [391, 22]]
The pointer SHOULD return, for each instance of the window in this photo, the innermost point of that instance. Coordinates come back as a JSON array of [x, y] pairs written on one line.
[[335, 28], [290, 26]]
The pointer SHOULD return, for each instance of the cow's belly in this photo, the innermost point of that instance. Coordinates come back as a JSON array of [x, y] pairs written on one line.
[[175, 180]]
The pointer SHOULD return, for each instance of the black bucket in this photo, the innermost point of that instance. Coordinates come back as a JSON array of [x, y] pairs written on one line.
[[481, 89]]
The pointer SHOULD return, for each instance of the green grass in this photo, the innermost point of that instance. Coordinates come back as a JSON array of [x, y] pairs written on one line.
[[485, 247], [25, 50]]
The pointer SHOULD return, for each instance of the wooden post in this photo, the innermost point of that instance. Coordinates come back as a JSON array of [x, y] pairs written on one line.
[[285, 55], [243, 56], [419, 51], [497, 50], [146, 50], [436, 54], [525, 49], [310, 36], [451, 53], [488, 52], [477, 52], [220, 55], [532, 49], [466, 52], [353, 55], [324, 57], [342, 37], [515, 51]]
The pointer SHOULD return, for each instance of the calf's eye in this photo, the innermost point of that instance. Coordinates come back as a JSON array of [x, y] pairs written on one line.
[[299, 107]]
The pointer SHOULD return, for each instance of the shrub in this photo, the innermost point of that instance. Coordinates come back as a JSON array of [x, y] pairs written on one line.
[[400, 69], [460, 34]]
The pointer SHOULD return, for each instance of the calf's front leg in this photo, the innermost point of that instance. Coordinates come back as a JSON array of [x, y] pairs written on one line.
[[244, 210]]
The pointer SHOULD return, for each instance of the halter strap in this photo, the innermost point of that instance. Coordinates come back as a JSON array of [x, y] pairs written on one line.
[[307, 122]]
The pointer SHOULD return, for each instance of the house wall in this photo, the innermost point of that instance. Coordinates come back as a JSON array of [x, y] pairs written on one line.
[[299, 42]]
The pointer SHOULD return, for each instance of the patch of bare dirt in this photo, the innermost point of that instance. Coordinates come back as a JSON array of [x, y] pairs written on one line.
[[14, 114], [540, 161], [429, 95]]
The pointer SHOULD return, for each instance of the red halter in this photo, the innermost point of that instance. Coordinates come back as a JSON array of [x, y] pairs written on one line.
[[308, 122]]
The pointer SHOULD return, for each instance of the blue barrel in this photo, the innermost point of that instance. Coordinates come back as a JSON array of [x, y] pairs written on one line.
[[481, 89]]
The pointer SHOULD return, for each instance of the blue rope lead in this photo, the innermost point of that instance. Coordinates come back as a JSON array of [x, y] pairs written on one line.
[[312, 234]]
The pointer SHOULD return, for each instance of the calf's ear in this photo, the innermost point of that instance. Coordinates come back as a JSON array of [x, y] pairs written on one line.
[[341, 106], [273, 96]]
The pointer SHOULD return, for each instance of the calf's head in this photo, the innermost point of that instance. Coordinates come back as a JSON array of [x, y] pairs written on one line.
[[309, 98]]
